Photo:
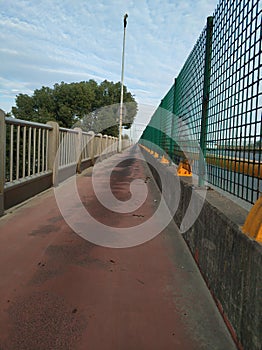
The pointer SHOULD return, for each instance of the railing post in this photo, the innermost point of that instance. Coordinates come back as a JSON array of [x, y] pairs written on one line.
[[110, 140], [99, 147], [78, 150], [115, 143], [2, 160], [206, 90], [53, 148], [90, 146], [104, 145]]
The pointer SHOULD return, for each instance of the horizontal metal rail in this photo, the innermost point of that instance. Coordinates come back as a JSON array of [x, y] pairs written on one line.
[[14, 121], [34, 154], [71, 131]]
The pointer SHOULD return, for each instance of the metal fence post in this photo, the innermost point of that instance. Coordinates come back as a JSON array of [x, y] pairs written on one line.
[[2, 160], [160, 129], [172, 141], [53, 148], [206, 90]]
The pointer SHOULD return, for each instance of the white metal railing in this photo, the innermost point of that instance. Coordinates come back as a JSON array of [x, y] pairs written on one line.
[[26, 149], [68, 140], [87, 145], [29, 150], [97, 145]]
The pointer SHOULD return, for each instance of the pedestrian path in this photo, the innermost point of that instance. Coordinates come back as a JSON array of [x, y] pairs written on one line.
[[59, 291]]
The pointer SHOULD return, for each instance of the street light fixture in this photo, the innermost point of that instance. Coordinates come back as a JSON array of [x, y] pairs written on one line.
[[122, 88]]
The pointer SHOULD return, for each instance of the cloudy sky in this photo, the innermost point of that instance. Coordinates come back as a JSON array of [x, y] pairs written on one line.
[[44, 42]]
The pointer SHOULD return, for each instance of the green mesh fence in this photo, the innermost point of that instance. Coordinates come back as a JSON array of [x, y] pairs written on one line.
[[213, 109]]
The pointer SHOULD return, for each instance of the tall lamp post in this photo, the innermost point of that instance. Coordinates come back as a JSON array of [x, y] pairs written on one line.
[[122, 88]]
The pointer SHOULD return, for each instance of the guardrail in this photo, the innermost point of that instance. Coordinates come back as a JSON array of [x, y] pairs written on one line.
[[213, 109], [26, 149], [34, 156]]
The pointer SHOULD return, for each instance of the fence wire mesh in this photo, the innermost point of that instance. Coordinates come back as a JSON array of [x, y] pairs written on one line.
[[214, 106]]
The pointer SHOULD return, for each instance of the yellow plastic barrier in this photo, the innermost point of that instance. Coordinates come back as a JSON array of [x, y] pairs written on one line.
[[253, 224], [184, 168], [156, 155], [164, 160]]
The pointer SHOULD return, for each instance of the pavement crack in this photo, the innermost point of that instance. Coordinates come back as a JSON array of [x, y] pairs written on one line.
[[138, 215], [140, 281]]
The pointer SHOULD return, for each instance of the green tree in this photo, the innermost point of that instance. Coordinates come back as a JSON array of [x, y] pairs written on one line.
[[87, 104], [44, 105], [24, 107]]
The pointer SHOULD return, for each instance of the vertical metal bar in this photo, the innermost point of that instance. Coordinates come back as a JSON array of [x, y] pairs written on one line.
[[34, 150], [69, 147], [67, 139], [206, 89], [2, 159], [73, 150], [160, 127], [38, 150], [64, 148], [43, 150], [62, 145], [47, 148], [24, 150], [65, 143], [29, 151], [60, 142], [17, 151], [172, 141], [11, 152]]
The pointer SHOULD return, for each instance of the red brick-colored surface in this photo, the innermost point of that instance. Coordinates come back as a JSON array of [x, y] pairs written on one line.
[[58, 291]]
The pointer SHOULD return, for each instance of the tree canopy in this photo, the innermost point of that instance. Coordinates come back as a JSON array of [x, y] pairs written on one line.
[[87, 104]]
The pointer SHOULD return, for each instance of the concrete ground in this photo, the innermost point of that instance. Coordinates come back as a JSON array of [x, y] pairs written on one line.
[[59, 291]]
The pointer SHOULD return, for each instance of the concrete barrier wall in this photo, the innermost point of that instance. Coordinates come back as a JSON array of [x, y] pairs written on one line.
[[230, 262], [24, 190]]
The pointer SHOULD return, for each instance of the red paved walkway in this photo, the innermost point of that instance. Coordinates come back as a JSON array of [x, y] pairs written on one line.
[[58, 291]]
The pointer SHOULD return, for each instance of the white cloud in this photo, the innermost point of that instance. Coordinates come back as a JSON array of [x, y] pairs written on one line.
[[44, 42]]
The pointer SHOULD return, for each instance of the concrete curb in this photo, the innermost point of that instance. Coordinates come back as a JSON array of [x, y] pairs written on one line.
[[230, 262]]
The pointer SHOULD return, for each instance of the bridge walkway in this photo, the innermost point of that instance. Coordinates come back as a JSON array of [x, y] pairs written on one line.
[[60, 291]]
